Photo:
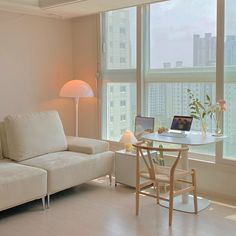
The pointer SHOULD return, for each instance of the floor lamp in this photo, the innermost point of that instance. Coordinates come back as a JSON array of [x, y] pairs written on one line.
[[76, 89]]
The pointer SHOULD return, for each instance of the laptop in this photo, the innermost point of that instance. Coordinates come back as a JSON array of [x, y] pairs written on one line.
[[179, 125], [143, 125]]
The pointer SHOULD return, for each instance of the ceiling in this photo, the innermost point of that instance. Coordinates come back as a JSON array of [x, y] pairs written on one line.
[[67, 8]]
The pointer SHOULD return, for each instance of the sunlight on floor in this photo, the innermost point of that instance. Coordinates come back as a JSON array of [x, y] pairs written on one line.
[[102, 180], [231, 217], [224, 204]]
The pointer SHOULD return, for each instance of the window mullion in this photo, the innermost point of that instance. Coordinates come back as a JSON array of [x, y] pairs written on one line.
[[220, 66], [139, 61], [146, 48]]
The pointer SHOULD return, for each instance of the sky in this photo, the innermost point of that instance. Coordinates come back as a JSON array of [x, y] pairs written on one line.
[[184, 18], [173, 24]]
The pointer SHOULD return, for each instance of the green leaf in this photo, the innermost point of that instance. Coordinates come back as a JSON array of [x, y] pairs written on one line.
[[197, 109], [196, 117], [200, 105], [208, 98]]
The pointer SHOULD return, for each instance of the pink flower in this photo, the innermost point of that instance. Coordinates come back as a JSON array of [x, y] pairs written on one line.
[[222, 105]]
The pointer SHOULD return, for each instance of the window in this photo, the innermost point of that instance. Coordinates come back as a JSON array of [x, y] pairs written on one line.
[[122, 131], [122, 103], [122, 30], [123, 89], [120, 73], [122, 22], [122, 45], [123, 117], [111, 118], [122, 60], [112, 133]]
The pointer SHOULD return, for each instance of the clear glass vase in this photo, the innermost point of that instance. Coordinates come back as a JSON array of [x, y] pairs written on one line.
[[217, 131], [203, 127]]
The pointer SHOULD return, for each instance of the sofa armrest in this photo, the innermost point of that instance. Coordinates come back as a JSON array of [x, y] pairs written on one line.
[[86, 145]]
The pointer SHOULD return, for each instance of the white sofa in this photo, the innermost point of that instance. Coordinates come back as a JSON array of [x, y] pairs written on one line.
[[39, 160]]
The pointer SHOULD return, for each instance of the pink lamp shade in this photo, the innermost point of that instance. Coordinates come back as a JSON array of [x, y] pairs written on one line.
[[76, 89]]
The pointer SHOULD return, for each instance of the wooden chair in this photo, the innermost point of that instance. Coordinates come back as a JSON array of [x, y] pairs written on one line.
[[154, 174]]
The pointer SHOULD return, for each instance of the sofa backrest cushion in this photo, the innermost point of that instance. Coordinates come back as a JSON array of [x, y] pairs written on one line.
[[0, 150], [34, 134], [3, 140]]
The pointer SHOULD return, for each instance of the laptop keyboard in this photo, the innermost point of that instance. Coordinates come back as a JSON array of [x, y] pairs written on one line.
[[172, 134]]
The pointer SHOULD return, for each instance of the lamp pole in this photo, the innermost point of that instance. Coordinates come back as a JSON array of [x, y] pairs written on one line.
[[76, 116]]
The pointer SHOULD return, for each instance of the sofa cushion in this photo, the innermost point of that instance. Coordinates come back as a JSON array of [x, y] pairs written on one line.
[[34, 134], [86, 145], [68, 169], [20, 184], [0, 150]]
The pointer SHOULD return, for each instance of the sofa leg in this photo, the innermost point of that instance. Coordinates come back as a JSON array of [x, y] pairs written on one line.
[[43, 202], [48, 198], [110, 179]]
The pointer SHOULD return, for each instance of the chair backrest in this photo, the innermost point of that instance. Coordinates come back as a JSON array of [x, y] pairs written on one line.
[[146, 154], [143, 125]]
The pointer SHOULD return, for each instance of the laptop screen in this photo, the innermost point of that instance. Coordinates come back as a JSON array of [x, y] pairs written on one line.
[[182, 123], [143, 125]]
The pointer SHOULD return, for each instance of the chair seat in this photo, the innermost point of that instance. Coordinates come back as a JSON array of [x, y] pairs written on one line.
[[163, 174]]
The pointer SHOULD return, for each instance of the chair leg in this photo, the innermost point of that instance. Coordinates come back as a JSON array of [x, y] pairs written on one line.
[[194, 191], [110, 179], [137, 199], [43, 202], [157, 192], [171, 203], [48, 198]]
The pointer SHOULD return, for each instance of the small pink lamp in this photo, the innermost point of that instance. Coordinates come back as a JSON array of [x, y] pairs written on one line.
[[128, 139], [76, 89]]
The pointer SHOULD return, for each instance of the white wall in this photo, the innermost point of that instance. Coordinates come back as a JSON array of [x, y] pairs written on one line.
[[85, 54], [35, 61], [216, 180]]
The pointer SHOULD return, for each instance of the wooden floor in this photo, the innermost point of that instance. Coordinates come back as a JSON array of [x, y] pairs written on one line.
[[97, 209]]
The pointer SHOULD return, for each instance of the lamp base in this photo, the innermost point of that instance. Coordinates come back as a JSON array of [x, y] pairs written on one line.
[[128, 147]]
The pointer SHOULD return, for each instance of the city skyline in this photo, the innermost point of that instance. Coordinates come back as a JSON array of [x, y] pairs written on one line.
[[204, 51]]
